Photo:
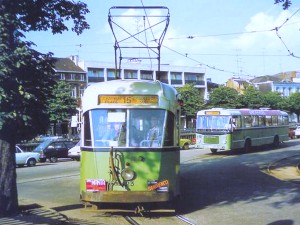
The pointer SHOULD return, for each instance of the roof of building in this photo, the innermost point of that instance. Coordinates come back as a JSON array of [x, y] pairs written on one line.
[[66, 65]]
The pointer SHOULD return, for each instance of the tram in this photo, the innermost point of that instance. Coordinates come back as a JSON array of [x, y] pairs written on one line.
[[130, 150], [221, 129]]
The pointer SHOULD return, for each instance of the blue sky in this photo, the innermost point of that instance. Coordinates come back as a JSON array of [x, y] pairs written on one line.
[[231, 38]]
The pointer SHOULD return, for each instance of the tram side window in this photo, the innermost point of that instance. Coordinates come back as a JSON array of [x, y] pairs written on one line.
[[87, 130], [169, 131], [282, 120]]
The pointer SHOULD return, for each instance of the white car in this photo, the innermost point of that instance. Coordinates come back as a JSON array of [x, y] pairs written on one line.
[[26, 158], [75, 152], [297, 131]]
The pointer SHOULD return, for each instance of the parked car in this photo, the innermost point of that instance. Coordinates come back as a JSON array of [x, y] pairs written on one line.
[[297, 131], [185, 143], [75, 152], [26, 158], [53, 149]]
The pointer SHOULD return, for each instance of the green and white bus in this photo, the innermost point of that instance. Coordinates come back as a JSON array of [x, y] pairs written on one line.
[[221, 129]]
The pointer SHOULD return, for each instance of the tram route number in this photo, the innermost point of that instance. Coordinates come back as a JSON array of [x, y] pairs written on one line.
[[95, 185], [128, 99], [157, 185]]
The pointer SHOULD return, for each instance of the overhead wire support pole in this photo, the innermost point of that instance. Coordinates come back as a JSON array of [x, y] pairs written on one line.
[[127, 39]]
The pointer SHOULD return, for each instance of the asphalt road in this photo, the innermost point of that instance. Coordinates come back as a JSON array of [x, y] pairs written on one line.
[[232, 189]]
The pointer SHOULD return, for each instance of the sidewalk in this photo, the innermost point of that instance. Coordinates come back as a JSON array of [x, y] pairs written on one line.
[[286, 169]]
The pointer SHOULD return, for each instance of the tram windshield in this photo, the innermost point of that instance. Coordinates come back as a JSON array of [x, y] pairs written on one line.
[[210, 123], [128, 128]]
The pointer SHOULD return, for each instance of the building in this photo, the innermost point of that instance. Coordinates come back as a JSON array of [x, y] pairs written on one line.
[[66, 69], [176, 76]]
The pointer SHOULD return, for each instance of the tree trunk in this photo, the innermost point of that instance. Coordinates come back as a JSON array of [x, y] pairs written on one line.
[[8, 183]]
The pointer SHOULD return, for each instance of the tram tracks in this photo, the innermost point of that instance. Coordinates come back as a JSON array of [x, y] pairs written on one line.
[[175, 220]]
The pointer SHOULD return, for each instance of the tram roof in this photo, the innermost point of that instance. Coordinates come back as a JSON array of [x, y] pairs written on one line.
[[167, 95]]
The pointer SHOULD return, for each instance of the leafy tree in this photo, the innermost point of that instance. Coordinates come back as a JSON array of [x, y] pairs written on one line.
[[26, 78], [192, 100], [62, 106], [223, 97], [252, 98], [274, 100], [294, 106]]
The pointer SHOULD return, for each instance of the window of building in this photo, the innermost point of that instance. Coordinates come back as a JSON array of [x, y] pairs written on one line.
[[146, 75], [95, 72], [130, 74]]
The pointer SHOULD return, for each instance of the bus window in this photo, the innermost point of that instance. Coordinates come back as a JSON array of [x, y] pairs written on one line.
[[254, 121], [247, 121], [236, 120], [268, 121], [274, 120], [262, 121]]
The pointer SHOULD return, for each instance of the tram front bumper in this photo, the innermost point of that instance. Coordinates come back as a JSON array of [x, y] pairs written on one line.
[[126, 196]]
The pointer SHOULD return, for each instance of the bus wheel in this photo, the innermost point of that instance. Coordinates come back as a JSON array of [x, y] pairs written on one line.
[[247, 146], [276, 142], [213, 150]]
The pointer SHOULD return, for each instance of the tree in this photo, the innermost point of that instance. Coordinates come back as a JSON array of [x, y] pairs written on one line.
[[252, 98], [274, 100], [192, 100], [223, 97], [26, 78], [62, 105], [294, 106]]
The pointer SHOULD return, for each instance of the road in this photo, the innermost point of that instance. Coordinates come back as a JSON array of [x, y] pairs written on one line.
[[232, 189]]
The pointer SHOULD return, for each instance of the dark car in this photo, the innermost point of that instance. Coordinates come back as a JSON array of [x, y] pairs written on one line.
[[53, 149]]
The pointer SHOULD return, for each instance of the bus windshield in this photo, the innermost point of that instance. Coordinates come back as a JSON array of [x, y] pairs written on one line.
[[207, 123], [127, 127]]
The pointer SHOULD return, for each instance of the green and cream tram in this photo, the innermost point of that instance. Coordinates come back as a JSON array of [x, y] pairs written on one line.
[[130, 149]]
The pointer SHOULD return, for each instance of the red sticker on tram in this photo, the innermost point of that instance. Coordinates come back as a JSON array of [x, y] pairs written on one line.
[[158, 185], [95, 185]]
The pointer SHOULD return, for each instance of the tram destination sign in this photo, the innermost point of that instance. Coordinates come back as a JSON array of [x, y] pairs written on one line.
[[128, 99]]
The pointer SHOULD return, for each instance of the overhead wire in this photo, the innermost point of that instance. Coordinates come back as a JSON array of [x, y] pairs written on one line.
[[236, 33]]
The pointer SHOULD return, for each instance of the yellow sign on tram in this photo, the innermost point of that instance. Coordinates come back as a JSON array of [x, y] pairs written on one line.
[[128, 99]]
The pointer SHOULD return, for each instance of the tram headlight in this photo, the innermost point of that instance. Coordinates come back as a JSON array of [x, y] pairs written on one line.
[[127, 174]]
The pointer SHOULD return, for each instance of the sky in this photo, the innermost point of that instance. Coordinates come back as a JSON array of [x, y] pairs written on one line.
[[225, 38]]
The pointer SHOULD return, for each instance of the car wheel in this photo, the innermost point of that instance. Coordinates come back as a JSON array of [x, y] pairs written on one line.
[[185, 146], [213, 150], [53, 159], [77, 158], [31, 162]]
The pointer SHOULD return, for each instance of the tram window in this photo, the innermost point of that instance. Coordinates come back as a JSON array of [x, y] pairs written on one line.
[[169, 131], [87, 130], [146, 127]]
